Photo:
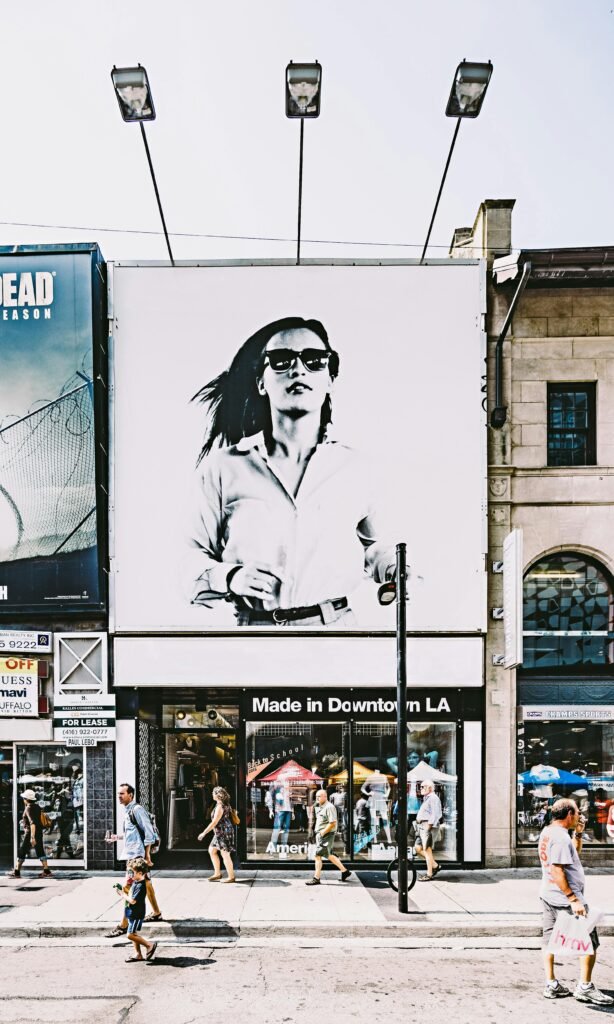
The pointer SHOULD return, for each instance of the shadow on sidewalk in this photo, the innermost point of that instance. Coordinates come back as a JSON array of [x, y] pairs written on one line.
[[181, 961]]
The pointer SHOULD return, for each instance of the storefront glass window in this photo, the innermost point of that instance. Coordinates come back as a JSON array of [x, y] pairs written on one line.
[[287, 763], [57, 777], [567, 758], [431, 754]]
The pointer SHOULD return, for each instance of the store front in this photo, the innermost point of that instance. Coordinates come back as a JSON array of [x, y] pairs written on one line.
[[273, 752], [565, 694]]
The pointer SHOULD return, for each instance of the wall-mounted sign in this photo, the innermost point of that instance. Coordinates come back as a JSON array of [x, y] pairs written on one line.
[[80, 725], [51, 316], [574, 713], [18, 688], [360, 705], [25, 640]]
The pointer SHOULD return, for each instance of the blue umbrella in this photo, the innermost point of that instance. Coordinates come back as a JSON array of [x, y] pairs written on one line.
[[547, 775]]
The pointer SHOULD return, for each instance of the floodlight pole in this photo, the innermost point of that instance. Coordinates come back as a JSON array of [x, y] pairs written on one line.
[[458, 123], [155, 185], [401, 582], [300, 195]]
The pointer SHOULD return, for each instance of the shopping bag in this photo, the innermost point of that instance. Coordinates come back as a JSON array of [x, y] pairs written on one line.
[[570, 936]]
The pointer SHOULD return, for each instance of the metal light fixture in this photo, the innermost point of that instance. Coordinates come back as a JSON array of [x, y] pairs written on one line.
[[468, 89], [466, 97], [136, 105], [303, 90], [133, 93], [303, 87]]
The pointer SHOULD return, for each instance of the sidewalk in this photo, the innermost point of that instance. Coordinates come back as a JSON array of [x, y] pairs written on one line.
[[278, 904]]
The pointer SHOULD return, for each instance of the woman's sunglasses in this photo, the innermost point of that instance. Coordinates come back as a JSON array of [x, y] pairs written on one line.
[[282, 359]]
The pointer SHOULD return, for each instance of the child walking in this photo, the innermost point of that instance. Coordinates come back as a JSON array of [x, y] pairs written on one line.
[[135, 913]]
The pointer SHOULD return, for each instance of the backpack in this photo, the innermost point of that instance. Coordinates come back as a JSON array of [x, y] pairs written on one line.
[[155, 846]]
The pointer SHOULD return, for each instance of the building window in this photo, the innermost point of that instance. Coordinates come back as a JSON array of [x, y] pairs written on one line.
[[57, 777], [568, 616], [566, 759], [571, 425]]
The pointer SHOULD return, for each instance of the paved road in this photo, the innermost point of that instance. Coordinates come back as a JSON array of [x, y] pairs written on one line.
[[51, 981]]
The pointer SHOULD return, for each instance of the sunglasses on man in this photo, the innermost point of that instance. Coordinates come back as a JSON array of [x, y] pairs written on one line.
[[313, 359]]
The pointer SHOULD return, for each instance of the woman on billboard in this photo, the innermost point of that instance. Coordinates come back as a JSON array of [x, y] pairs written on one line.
[[283, 525]]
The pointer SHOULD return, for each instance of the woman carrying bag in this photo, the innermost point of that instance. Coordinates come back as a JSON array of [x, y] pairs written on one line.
[[223, 821]]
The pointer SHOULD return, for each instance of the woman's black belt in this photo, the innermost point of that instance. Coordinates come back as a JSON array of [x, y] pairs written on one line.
[[281, 615]]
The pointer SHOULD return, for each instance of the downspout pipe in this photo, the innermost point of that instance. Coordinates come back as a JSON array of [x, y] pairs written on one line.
[[499, 414]]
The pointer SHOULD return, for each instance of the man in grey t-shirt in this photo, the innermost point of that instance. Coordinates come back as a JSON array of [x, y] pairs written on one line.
[[562, 888]]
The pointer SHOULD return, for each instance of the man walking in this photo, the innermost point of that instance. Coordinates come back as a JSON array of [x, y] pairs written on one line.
[[427, 825], [562, 888], [325, 828], [138, 836]]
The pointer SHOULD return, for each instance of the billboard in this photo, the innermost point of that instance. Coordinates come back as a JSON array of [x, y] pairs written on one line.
[[277, 430], [50, 312]]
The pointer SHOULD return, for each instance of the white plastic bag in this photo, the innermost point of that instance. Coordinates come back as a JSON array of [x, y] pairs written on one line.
[[571, 935]]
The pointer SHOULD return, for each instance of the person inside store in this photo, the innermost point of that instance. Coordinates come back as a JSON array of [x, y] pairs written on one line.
[[222, 826], [63, 806], [428, 820], [33, 835], [283, 524]]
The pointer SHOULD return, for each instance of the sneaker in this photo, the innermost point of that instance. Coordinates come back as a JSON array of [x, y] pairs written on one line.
[[592, 995], [313, 881], [554, 990], [345, 875]]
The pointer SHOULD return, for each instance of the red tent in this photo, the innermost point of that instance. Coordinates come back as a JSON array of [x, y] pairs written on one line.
[[291, 771]]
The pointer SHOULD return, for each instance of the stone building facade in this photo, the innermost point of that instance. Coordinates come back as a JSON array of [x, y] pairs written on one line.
[[549, 721]]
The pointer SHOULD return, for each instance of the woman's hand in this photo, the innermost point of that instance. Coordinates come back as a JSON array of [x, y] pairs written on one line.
[[202, 836], [254, 581]]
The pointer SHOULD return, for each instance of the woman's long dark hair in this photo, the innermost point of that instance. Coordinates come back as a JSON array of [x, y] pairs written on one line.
[[236, 408]]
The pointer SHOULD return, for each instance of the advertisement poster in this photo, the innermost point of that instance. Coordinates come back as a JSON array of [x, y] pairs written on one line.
[[48, 519], [279, 429], [18, 688]]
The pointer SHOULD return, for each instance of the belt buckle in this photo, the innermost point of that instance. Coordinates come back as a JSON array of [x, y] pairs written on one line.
[[278, 617]]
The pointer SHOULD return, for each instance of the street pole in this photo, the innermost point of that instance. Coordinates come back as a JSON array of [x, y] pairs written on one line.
[[443, 181], [155, 185], [401, 582], [300, 195]]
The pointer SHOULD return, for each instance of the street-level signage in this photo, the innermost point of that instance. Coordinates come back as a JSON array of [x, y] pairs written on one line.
[[79, 725], [361, 704], [18, 687], [25, 640], [573, 713]]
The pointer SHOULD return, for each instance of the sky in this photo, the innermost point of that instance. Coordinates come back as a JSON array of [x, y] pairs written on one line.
[[226, 157]]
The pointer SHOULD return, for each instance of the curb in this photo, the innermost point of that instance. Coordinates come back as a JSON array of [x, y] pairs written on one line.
[[297, 929]]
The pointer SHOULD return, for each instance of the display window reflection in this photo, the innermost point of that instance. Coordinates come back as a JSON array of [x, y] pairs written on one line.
[[566, 759], [57, 777], [287, 763], [431, 755]]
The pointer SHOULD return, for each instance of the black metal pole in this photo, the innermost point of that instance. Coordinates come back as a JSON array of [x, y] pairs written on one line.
[[300, 195], [458, 123], [401, 582], [155, 185]]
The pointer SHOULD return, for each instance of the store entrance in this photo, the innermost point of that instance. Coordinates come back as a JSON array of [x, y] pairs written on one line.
[[196, 762]]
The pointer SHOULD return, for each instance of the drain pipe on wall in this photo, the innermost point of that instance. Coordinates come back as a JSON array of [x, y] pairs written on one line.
[[499, 414]]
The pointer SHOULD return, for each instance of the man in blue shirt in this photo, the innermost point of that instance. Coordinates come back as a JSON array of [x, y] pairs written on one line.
[[138, 837]]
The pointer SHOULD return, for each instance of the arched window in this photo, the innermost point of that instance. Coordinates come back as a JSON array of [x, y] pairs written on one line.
[[568, 616]]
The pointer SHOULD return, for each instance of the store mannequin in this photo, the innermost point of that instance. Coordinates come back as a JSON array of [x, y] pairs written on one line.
[[377, 788]]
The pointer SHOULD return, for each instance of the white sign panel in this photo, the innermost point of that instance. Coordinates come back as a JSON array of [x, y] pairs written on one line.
[[512, 598], [25, 640], [18, 688], [84, 725], [279, 429], [575, 713]]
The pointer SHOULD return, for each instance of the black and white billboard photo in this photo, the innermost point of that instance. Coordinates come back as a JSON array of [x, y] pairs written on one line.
[[278, 430]]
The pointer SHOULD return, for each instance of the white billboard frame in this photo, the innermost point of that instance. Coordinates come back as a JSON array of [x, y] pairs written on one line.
[[160, 630]]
